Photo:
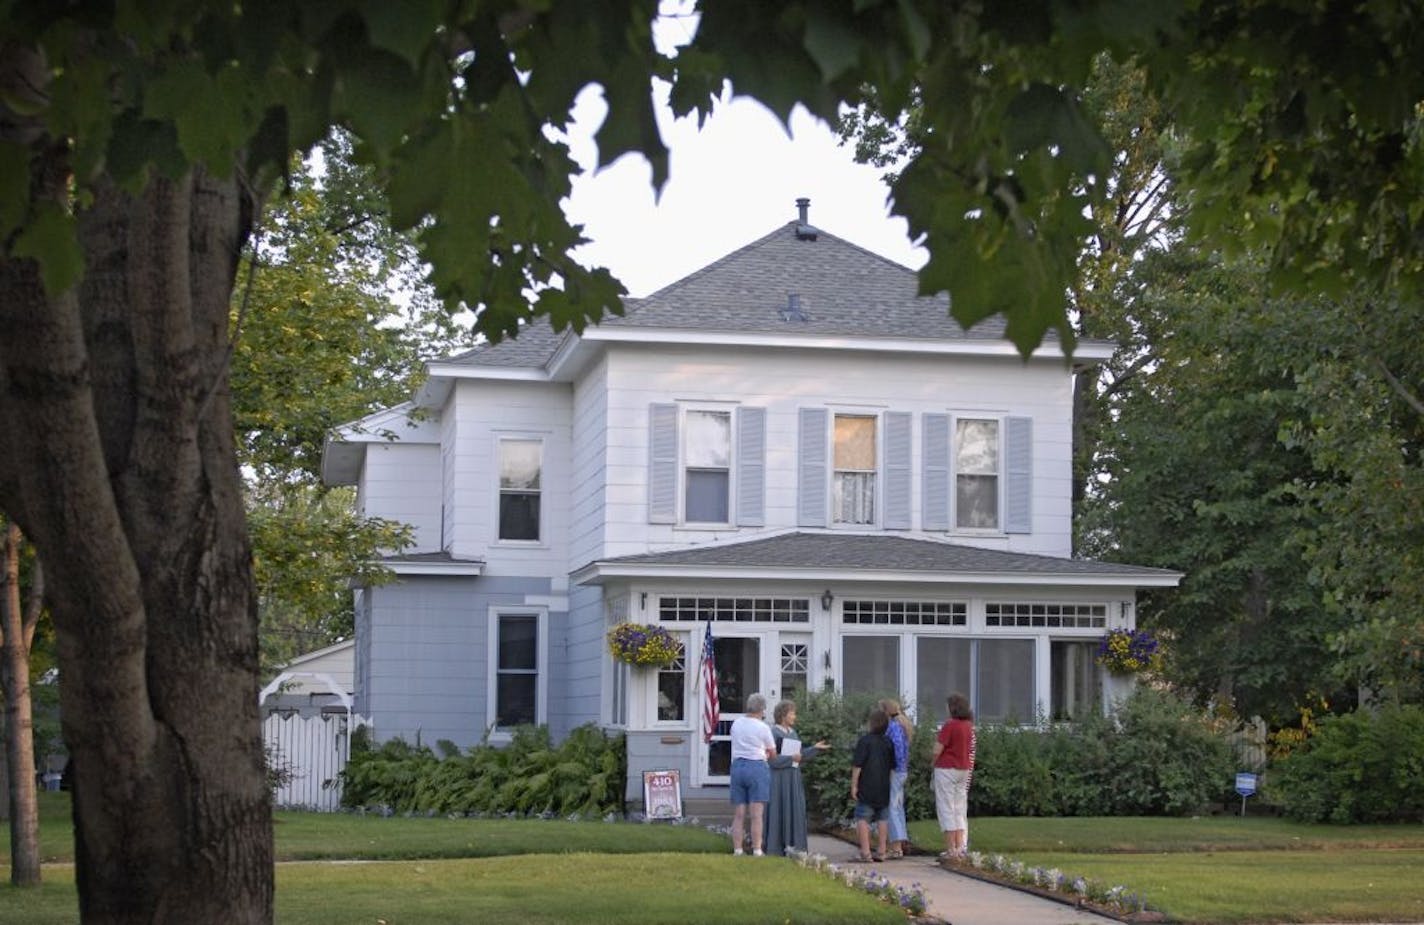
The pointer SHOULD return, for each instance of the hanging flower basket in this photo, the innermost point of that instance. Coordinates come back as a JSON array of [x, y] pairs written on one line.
[[641, 644], [1129, 651]]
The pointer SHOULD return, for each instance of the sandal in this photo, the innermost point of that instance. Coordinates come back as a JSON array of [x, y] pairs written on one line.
[[865, 858], [895, 855], [877, 857]]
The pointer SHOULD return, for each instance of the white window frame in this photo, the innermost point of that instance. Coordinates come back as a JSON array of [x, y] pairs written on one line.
[[541, 656], [689, 708], [500, 441], [954, 474], [876, 473], [683, 432]]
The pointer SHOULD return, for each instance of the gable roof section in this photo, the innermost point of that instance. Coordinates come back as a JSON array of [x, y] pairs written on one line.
[[845, 292], [837, 556], [345, 450]]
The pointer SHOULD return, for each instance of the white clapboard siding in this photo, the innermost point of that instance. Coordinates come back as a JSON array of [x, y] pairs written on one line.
[[314, 749]]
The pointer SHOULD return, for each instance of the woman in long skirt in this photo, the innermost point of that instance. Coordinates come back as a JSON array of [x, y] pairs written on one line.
[[786, 813]]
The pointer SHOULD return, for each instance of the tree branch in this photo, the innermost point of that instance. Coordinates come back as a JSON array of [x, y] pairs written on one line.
[[1400, 389]]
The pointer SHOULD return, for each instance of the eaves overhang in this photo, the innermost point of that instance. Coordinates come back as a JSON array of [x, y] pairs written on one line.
[[574, 354], [597, 573]]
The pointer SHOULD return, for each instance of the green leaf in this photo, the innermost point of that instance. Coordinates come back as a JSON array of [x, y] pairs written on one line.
[[49, 238], [14, 186], [1045, 117], [407, 28], [833, 43], [379, 94]]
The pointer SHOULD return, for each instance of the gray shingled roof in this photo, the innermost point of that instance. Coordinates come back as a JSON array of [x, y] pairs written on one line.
[[844, 289], [880, 553]]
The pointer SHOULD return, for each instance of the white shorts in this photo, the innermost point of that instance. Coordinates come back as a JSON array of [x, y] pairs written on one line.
[[951, 790]]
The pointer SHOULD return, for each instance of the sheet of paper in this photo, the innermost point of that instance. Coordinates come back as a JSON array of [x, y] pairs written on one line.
[[791, 746]]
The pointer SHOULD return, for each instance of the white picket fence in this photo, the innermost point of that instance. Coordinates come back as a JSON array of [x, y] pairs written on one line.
[[314, 749]]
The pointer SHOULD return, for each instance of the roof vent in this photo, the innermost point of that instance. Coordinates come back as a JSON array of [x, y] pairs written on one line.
[[804, 231], [792, 311]]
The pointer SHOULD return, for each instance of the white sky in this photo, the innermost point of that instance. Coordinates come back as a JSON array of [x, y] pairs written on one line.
[[730, 183]]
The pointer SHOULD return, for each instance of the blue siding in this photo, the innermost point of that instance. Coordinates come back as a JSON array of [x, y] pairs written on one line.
[[432, 635]]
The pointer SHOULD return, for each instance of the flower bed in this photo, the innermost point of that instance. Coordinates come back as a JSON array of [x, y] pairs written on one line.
[[910, 899], [1051, 883]]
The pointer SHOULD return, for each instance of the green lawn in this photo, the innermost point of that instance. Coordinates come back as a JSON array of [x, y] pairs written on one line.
[[1204, 870], [437, 870], [1224, 869], [542, 889]]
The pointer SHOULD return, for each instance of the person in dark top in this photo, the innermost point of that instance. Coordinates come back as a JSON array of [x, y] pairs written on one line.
[[871, 765]]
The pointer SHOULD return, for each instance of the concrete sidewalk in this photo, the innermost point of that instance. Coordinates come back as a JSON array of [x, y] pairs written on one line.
[[958, 899]]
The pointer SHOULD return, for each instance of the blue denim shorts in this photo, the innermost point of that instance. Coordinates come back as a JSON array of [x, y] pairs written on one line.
[[868, 813], [751, 781]]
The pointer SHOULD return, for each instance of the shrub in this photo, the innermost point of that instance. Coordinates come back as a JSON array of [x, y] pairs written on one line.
[[1156, 756], [1358, 767], [840, 719], [1165, 758], [584, 774]]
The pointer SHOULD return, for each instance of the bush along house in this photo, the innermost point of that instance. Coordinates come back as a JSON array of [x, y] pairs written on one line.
[[789, 447]]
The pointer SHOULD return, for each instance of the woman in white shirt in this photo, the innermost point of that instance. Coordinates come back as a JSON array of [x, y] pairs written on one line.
[[752, 746]]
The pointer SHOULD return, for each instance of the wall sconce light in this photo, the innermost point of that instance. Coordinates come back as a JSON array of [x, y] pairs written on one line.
[[827, 598], [643, 602], [826, 659]]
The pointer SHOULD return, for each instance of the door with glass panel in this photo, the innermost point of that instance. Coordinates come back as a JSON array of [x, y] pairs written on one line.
[[775, 664]]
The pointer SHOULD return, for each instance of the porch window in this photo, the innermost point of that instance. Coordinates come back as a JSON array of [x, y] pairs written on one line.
[[672, 688], [619, 714], [517, 671], [1004, 681], [853, 488], [942, 666], [519, 488], [871, 664], [795, 657], [1077, 678], [995, 674], [976, 474], [707, 455]]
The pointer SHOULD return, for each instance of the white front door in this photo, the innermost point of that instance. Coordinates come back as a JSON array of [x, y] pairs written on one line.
[[750, 661]]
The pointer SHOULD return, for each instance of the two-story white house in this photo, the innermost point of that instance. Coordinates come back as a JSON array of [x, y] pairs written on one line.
[[789, 443]]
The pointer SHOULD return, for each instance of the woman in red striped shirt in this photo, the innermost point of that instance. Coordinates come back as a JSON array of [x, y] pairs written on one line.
[[953, 766]]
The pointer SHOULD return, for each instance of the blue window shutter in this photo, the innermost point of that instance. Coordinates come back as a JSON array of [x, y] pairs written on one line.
[[811, 484], [662, 464], [1018, 475], [935, 452], [898, 449], [751, 467]]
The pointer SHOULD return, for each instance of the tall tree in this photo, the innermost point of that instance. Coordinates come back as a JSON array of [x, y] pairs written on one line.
[[1194, 476], [18, 622], [1362, 377], [137, 140], [330, 319]]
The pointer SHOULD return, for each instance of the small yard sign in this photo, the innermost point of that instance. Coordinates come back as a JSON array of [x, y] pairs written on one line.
[[1245, 785], [662, 795]]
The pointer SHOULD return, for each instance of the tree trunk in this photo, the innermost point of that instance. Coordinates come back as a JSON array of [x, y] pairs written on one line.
[[19, 721], [119, 464]]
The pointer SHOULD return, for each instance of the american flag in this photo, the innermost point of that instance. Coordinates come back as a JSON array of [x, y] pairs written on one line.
[[711, 709]]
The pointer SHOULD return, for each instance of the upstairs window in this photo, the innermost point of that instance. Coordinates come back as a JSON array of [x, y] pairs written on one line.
[[520, 462], [853, 485], [707, 467], [976, 474]]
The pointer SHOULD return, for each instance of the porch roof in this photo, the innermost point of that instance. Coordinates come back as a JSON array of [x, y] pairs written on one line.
[[836, 555]]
